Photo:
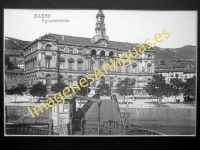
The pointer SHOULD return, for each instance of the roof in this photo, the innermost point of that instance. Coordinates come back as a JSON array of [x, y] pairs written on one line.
[[82, 41], [190, 71], [170, 70], [87, 41], [170, 66], [15, 71]]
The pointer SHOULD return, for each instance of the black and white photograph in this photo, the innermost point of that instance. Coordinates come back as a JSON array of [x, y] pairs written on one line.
[[100, 72]]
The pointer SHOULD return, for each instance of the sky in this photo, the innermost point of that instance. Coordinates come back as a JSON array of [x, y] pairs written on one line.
[[121, 25]]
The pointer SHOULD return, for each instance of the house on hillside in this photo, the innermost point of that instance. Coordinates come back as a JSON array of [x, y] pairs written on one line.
[[182, 69], [21, 64]]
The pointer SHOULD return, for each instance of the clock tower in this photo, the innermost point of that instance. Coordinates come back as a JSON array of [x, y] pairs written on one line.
[[100, 38]]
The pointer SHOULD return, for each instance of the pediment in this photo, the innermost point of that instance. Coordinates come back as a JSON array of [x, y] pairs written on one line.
[[48, 37]]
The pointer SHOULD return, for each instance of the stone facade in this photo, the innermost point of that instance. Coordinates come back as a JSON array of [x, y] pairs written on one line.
[[78, 56]]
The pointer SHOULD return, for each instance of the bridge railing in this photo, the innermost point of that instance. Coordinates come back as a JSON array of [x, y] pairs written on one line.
[[28, 131], [122, 125], [140, 131], [130, 130], [61, 129], [87, 106]]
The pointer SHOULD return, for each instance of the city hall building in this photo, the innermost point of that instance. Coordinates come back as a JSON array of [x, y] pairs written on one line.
[[79, 55]]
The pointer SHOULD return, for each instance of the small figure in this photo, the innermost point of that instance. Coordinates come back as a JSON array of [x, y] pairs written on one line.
[[80, 115]]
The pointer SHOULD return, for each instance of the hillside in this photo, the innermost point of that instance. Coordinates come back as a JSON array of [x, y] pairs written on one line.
[[14, 47]]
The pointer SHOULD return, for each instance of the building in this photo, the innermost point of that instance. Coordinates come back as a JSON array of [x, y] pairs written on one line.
[[13, 78], [181, 69], [79, 55], [21, 64]]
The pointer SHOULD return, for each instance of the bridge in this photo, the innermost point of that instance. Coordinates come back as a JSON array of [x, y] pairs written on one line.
[[102, 117]]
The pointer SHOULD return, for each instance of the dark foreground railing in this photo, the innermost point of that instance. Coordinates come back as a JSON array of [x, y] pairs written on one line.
[[28, 131], [61, 129], [140, 131]]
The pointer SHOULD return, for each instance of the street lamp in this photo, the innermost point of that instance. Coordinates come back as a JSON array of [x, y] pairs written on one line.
[[58, 62]]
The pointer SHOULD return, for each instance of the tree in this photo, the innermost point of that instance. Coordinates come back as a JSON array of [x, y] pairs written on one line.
[[189, 87], [84, 90], [9, 65], [124, 87], [39, 90], [158, 87], [19, 89], [176, 87], [58, 87], [103, 88]]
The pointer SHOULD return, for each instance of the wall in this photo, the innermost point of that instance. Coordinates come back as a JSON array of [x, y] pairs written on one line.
[[16, 112], [161, 116]]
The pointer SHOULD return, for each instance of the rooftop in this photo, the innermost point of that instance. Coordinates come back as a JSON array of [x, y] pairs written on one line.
[[82, 41]]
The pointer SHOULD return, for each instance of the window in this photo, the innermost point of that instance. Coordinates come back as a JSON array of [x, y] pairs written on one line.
[[61, 49], [139, 91], [70, 50], [79, 64], [134, 65], [47, 63], [48, 47], [149, 68], [126, 67], [71, 61], [149, 56], [79, 51], [61, 65]]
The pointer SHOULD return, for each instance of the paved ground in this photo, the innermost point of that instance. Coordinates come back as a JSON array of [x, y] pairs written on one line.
[[149, 103]]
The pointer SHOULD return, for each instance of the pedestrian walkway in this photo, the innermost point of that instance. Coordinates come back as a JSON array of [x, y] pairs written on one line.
[[108, 110], [108, 114]]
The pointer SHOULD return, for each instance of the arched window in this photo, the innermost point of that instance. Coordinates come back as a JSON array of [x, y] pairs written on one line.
[[71, 61], [70, 50], [93, 55], [111, 54], [62, 62], [126, 67], [149, 68], [79, 51], [134, 65], [80, 64], [48, 47], [48, 80], [149, 56]]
